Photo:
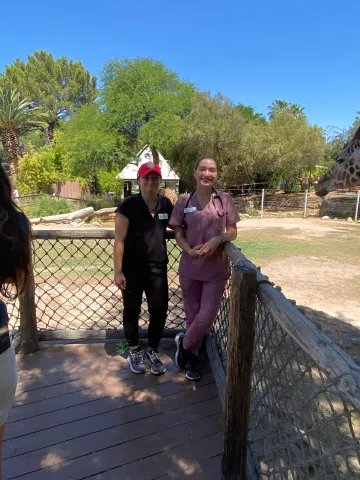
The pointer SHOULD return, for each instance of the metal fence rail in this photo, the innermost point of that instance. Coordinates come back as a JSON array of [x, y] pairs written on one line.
[[74, 289]]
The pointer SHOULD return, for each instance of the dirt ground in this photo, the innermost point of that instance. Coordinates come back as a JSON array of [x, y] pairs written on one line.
[[327, 288]]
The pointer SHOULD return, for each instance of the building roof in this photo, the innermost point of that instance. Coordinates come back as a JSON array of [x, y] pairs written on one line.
[[130, 171]]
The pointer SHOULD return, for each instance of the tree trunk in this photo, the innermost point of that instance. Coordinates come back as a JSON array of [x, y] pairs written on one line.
[[155, 154], [11, 145], [51, 131]]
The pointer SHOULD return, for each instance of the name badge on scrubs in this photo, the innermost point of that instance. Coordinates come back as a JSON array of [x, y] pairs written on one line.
[[163, 216], [190, 210]]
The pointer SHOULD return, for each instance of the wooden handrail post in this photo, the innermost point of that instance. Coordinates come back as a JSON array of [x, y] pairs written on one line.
[[28, 324], [238, 381]]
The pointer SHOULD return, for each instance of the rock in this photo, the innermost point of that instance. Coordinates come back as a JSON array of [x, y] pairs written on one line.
[[95, 224], [350, 220], [325, 218], [245, 215]]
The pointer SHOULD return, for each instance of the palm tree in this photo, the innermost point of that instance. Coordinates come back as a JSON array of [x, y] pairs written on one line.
[[284, 106], [278, 106], [16, 118]]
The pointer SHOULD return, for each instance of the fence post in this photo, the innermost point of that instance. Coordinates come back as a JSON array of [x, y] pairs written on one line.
[[238, 380], [262, 202], [306, 202], [28, 324], [357, 206]]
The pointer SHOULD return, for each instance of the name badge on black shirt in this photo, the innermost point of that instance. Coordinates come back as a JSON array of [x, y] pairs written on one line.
[[163, 216]]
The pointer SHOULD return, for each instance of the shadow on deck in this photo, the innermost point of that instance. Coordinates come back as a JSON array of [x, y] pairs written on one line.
[[80, 413]]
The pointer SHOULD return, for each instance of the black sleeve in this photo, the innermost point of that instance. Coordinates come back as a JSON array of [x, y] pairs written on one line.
[[170, 208], [125, 207]]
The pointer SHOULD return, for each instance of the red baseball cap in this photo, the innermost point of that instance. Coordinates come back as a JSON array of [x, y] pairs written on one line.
[[149, 167]]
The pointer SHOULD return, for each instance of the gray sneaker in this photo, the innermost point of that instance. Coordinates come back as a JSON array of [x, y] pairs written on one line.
[[136, 361], [152, 358]]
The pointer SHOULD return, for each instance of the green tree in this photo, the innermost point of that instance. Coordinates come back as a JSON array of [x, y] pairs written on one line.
[[146, 102], [38, 169], [301, 146], [91, 145], [212, 127], [249, 115], [16, 118], [55, 86]]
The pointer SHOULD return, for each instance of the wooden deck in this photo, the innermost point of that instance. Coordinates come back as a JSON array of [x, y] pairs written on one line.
[[80, 413]]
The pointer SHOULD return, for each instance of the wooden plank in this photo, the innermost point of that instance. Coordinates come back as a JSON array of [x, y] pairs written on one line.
[[179, 463], [92, 391], [35, 379], [106, 438], [121, 453], [84, 383], [207, 469], [81, 406], [239, 370], [334, 362], [105, 420]]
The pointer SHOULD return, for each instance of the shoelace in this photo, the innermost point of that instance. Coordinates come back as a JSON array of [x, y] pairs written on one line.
[[138, 356], [155, 357]]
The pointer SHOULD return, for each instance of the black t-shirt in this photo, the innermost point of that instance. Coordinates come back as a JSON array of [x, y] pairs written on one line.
[[145, 243]]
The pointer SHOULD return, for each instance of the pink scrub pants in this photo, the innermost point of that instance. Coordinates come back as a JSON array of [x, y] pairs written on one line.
[[201, 304]]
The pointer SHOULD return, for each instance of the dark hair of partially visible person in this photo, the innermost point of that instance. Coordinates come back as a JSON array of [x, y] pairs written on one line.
[[14, 243], [203, 157]]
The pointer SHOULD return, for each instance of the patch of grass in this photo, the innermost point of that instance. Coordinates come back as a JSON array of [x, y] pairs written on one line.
[[265, 245], [46, 206]]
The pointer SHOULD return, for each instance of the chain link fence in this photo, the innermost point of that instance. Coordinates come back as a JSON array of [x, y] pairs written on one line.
[[302, 425], [74, 287]]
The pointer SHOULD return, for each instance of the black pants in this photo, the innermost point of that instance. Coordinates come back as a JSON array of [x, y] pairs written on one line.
[[153, 281]]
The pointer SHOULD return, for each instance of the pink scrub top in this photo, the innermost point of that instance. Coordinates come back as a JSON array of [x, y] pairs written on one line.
[[203, 225]]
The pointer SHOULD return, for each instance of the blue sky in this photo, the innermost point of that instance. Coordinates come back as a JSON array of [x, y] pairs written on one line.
[[251, 51]]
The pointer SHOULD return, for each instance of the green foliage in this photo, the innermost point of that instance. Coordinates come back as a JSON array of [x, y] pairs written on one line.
[[35, 138], [123, 346], [46, 206], [301, 146], [212, 127], [56, 86], [89, 143], [249, 115], [15, 114], [98, 202], [39, 168], [109, 183], [280, 106], [145, 101]]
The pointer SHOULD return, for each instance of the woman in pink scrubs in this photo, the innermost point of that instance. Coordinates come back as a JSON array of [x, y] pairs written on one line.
[[203, 221]]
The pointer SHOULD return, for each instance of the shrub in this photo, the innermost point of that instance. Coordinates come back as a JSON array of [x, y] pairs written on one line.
[[46, 206], [99, 202]]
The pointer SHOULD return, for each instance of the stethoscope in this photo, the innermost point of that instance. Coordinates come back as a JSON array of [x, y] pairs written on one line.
[[214, 196]]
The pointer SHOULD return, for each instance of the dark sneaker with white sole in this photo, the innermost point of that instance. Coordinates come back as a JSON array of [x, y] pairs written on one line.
[[136, 361], [181, 354], [192, 372], [152, 358]]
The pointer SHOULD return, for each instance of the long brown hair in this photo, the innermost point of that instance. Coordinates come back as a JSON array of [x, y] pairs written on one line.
[[14, 243]]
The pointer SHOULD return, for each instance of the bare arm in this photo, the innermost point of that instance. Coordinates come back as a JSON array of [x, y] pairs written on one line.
[[121, 230], [183, 244], [209, 247]]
